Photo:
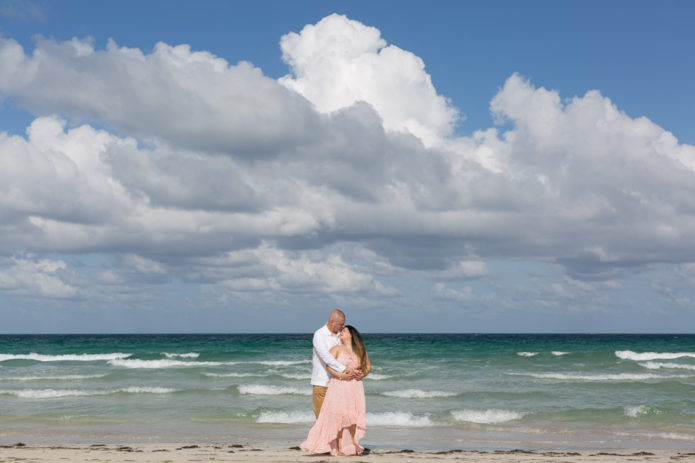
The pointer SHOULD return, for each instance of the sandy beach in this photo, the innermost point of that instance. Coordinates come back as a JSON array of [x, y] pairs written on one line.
[[179, 453]]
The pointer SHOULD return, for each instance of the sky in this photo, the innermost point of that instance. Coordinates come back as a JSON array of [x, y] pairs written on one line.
[[211, 166]]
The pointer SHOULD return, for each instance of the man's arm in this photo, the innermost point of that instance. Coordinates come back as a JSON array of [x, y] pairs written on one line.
[[325, 354]]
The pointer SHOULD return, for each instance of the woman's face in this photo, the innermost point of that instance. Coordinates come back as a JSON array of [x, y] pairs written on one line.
[[345, 336]]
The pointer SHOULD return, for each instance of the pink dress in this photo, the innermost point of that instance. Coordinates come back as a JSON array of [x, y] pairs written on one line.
[[343, 407]]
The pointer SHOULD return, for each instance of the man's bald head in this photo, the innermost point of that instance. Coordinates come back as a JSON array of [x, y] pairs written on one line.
[[336, 314], [336, 321]]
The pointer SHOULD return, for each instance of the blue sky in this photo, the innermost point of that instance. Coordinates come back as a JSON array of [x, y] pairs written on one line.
[[233, 167]]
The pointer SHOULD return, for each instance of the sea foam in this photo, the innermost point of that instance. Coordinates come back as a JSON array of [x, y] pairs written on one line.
[[419, 394], [64, 357], [659, 435], [50, 378], [492, 416], [657, 366], [400, 419], [378, 377], [638, 410], [59, 393], [258, 375], [642, 357], [294, 376], [286, 417], [233, 375], [260, 389], [281, 363], [189, 355], [527, 354], [155, 364], [602, 377]]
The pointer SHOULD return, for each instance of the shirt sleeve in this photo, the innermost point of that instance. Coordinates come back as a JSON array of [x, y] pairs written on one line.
[[325, 353]]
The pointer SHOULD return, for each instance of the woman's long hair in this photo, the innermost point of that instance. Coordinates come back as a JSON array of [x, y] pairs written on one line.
[[358, 345]]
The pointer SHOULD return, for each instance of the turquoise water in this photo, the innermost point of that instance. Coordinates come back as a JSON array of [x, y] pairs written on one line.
[[426, 390]]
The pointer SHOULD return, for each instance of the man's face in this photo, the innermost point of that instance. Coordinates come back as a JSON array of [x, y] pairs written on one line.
[[336, 324]]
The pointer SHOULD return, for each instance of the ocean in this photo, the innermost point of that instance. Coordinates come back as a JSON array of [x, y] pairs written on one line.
[[426, 391]]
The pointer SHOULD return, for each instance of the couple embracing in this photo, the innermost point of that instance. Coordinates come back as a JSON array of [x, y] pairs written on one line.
[[339, 363]]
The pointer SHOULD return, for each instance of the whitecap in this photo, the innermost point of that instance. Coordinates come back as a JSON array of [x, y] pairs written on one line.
[[258, 375], [527, 354], [294, 376], [60, 393], [259, 389], [378, 377], [657, 365], [51, 378], [64, 357], [559, 353], [49, 393], [638, 410], [602, 377], [189, 355], [285, 417], [146, 390], [281, 363], [644, 356], [492, 416], [400, 419], [418, 394], [154, 364]]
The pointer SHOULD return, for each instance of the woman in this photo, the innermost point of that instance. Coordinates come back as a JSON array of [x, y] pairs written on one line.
[[341, 423]]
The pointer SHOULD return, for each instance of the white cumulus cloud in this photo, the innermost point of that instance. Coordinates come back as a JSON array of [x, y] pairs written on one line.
[[320, 183], [338, 62]]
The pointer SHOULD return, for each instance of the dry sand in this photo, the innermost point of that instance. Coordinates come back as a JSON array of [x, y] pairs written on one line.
[[170, 453]]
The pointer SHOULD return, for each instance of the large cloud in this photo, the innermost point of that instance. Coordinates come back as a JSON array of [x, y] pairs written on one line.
[[326, 180], [338, 62], [191, 99], [611, 191]]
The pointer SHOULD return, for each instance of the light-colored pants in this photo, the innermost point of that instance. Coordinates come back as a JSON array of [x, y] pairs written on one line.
[[318, 396]]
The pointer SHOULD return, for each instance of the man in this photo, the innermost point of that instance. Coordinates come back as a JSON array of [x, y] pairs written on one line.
[[324, 339]]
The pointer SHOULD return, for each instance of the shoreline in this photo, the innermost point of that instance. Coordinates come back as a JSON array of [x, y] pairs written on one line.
[[234, 452]]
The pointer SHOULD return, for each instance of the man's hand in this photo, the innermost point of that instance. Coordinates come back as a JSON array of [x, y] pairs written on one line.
[[357, 374]]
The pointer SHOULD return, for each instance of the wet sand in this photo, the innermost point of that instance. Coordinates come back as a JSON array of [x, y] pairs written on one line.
[[173, 453]]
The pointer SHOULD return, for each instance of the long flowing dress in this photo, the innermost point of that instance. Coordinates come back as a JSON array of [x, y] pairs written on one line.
[[343, 407]]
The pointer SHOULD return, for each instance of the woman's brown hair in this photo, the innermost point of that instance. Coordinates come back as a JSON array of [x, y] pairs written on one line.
[[358, 345]]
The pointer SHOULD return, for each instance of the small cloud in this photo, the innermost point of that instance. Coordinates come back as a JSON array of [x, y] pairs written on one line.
[[37, 277], [463, 270], [142, 265], [441, 291], [22, 10], [559, 289]]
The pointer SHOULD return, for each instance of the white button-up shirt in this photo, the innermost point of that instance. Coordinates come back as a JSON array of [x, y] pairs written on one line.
[[324, 340]]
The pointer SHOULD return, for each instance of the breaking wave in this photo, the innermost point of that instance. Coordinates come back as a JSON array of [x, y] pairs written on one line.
[[64, 357], [59, 393], [259, 389], [645, 356], [492, 416], [419, 394]]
